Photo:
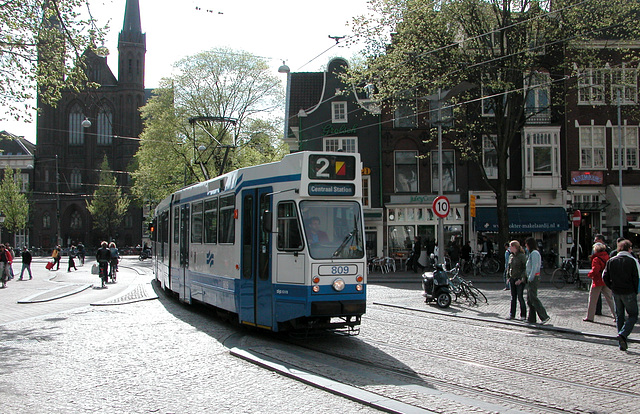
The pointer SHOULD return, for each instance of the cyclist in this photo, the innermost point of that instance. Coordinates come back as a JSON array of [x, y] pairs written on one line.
[[103, 256], [113, 262]]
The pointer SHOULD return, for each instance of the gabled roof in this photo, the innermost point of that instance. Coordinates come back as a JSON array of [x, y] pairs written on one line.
[[306, 91], [11, 144]]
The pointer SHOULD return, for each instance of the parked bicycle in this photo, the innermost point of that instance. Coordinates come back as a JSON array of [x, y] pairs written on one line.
[[549, 262], [481, 264], [566, 273], [462, 288]]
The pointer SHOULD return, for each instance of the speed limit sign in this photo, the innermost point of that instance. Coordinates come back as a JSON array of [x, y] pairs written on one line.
[[441, 206]]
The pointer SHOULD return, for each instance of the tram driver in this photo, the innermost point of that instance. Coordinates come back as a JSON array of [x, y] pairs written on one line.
[[315, 234]]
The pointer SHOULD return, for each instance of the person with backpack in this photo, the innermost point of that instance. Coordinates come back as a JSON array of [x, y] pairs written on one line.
[[599, 261]]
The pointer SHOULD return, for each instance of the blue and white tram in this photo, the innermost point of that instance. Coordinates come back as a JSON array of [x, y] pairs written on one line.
[[280, 245]]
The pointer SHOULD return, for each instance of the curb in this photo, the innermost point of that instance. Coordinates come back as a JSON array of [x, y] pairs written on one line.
[[57, 293], [135, 293]]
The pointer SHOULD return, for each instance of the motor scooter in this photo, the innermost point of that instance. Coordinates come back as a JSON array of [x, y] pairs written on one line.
[[436, 287]]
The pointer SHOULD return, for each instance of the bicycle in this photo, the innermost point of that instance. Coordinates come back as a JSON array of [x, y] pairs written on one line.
[[566, 273], [464, 288], [113, 270], [481, 263], [103, 273], [549, 262]]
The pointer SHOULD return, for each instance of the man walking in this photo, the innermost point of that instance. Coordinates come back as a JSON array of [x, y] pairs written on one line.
[[621, 276], [26, 262]]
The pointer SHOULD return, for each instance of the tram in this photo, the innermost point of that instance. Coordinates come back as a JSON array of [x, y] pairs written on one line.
[[278, 246]]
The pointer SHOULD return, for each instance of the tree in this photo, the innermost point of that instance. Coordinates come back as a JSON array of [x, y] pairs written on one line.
[[510, 49], [218, 107], [14, 202], [41, 43], [108, 204]]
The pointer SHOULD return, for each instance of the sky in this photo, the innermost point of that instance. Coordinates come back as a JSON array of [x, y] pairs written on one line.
[[294, 31]]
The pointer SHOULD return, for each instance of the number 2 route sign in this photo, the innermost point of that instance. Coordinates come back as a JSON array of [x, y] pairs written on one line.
[[441, 206]]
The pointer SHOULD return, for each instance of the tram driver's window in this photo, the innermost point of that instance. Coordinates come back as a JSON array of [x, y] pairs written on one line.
[[289, 235]]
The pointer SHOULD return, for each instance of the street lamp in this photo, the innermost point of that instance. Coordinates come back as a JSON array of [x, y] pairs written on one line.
[[440, 99]]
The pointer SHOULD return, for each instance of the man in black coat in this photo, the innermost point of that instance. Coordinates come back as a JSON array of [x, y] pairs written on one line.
[[26, 262], [621, 276], [103, 256]]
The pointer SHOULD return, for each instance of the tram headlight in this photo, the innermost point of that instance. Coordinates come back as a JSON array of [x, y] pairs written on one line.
[[359, 288], [338, 285], [316, 289]]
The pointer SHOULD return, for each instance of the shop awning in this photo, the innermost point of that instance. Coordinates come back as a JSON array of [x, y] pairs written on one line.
[[523, 219]]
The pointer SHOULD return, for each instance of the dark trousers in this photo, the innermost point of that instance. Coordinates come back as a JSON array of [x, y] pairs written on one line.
[[535, 306], [626, 304], [517, 294]]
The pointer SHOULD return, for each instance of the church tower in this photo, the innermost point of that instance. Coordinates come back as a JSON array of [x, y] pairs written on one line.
[[132, 46]]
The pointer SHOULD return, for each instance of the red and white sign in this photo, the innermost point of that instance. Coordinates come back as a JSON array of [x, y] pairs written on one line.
[[441, 206], [577, 218]]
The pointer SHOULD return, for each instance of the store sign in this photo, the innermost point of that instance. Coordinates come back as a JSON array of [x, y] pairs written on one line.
[[338, 130], [586, 177]]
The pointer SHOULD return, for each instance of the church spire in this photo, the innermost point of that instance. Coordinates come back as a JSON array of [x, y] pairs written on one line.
[[132, 46]]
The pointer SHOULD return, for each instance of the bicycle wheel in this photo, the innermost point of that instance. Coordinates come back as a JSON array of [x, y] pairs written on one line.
[[469, 294], [548, 268], [490, 266], [559, 278], [479, 295]]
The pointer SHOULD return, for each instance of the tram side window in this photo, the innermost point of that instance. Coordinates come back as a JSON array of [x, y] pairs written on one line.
[[226, 224], [211, 221], [196, 222], [176, 225], [289, 237]]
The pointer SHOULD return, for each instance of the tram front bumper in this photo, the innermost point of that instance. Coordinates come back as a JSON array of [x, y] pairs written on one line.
[[338, 308]]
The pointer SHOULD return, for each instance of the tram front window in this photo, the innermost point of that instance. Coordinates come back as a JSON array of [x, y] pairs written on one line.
[[333, 229]]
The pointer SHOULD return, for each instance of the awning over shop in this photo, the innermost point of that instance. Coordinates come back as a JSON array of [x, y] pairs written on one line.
[[523, 219]]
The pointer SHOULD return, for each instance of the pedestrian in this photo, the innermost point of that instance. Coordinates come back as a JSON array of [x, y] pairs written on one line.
[[56, 257], [72, 256], [507, 255], [621, 276], [599, 261], [465, 256], [517, 279], [4, 272], [114, 259], [103, 256], [599, 238], [534, 262], [415, 254], [81, 253], [26, 262], [10, 255]]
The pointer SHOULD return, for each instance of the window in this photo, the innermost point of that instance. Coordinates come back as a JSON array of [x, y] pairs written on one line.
[[211, 221], [196, 222], [629, 146], [23, 181], [46, 221], [366, 191], [339, 112], [344, 144], [76, 221], [542, 152], [537, 93], [405, 113], [406, 171], [76, 131], [592, 147], [76, 179], [488, 104], [448, 171], [176, 225], [490, 156], [227, 228], [105, 121], [591, 86], [289, 237], [625, 81]]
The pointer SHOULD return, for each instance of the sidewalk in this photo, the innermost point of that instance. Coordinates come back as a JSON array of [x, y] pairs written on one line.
[[566, 307]]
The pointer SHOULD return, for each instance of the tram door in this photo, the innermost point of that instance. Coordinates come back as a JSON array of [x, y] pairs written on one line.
[[183, 292], [256, 288]]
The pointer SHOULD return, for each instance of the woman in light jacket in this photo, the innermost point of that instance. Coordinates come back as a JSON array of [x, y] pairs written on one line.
[[598, 263], [533, 280]]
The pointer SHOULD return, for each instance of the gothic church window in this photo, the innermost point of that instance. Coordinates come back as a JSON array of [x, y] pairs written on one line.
[[104, 127], [76, 131]]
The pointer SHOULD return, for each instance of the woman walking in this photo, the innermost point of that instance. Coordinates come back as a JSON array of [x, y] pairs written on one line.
[[598, 263], [533, 280], [517, 279]]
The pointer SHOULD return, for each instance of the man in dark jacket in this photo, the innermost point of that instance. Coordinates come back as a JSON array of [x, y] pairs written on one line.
[[621, 276], [26, 262], [103, 256]]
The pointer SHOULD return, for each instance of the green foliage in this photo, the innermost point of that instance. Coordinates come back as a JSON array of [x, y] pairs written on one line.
[[108, 205], [53, 30], [14, 204], [218, 84]]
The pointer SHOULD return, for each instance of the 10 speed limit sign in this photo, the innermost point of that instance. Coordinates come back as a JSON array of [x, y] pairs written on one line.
[[441, 206]]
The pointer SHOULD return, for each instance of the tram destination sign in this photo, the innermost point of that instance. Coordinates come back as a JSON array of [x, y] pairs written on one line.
[[332, 167], [328, 189]]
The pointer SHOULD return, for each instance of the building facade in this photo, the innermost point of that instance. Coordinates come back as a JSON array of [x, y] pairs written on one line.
[[74, 137]]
